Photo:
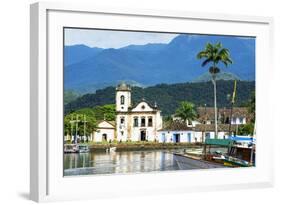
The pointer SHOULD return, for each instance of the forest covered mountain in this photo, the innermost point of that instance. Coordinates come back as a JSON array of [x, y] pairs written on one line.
[[88, 69], [168, 96], [205, 77]]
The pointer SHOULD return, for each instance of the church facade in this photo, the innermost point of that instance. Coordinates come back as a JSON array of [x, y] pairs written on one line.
[[135, 123]]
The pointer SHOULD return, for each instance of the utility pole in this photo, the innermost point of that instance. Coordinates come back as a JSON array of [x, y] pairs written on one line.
[[231, 109], [76, 128], [71, 126], [84, 121]]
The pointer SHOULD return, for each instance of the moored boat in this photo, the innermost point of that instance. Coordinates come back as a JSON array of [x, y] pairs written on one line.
[[71, 148], [236, 156], [111, 149], [189, 162], [83, 148]]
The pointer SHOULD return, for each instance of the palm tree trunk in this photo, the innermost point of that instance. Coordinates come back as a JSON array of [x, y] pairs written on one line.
[[215, 107]]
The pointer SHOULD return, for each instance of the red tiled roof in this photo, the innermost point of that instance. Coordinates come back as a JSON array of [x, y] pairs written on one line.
[[176, 125]]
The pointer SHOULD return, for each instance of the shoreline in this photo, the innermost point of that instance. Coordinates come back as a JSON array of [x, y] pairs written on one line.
[[141, 146]]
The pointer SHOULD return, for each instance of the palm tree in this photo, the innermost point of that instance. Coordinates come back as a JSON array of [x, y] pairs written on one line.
[[215, 54], [186, 111]]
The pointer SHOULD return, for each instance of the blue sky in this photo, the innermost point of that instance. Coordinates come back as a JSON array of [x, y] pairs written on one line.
[[113, 39]]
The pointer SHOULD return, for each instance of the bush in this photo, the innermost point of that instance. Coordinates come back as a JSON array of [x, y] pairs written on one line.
[[246, 129]]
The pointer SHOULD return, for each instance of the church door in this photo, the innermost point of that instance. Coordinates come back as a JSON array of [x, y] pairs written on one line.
[[143, 135]]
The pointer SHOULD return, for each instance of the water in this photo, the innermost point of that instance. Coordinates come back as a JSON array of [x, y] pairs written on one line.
[[118, 162], [129, 162]]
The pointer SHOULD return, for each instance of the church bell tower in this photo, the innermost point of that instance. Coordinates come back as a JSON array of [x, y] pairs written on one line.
[[123, 97]]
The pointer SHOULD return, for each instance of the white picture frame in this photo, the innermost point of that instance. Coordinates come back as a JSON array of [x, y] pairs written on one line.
[[46, 176]]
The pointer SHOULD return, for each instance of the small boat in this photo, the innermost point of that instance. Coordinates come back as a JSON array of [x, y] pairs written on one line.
[[235, 162], [83, 148], [71, 148], [230, 161], [111, 149], [189, 162], [236, 156]]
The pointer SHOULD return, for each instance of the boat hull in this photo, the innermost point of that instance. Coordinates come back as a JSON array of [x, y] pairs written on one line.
[[185, 162]]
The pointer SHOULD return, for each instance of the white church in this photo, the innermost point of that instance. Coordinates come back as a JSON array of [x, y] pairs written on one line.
[[133, 123]]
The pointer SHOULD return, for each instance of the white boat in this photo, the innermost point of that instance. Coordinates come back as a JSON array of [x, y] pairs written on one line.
[[111, 149], [83, 148], [71, 148]]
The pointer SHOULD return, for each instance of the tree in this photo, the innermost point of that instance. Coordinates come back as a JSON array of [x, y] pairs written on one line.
[[186, 111], [83, 119], [167, 120], [246, 129], [215, 54], [105, 112]]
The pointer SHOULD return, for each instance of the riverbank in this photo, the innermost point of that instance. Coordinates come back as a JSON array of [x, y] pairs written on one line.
[[139, 146]]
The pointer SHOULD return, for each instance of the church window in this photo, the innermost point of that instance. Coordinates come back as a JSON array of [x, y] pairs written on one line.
[[150, 122], [122, 99], [143, 122], [241, 120], [136, 122], [122, 120]]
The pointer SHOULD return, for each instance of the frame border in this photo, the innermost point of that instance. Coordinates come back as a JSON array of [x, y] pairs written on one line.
[[39, 187]]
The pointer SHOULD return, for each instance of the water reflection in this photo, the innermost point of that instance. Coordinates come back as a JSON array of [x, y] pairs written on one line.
[[118, 162]]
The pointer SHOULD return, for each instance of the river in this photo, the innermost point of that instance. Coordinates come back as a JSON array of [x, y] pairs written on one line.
[[120, 162]]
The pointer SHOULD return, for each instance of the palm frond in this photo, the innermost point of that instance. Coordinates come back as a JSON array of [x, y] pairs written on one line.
[[202, 54], [205, 62], [215, 53]]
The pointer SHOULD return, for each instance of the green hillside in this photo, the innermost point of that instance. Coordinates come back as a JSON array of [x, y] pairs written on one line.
[[168, 96], [220, 76]]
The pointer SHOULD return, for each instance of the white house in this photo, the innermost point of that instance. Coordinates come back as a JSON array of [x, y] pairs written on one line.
[[207, 131], [105, 131], [136, 123], [176, 132]]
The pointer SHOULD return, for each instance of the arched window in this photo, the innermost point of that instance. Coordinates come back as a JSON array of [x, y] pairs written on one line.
[[122, 99]]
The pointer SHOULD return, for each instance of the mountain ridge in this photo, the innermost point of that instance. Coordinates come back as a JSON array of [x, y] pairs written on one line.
[[152, 64]]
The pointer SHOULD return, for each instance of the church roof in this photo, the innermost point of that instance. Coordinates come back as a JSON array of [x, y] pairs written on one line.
[[154, 107], [123, 87], [107, 121]]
